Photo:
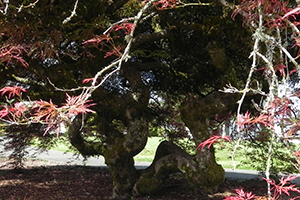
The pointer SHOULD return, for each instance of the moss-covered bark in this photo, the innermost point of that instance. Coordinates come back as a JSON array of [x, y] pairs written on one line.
[[200, 170], [197, 114], [169, 159], [123, 131]]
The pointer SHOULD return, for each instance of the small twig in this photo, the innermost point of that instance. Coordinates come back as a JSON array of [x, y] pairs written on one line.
[[28, 6], [234, 152], [4, 11], [269, 164], [116, 23], [73, 13]]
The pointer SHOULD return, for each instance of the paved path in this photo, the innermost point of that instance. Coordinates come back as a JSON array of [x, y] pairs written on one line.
[[62, 158]]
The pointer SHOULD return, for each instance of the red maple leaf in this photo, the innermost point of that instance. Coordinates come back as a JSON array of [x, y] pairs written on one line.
[[283, 186], [87, 80], [98, 39], [77, 104], [165, 4], [7, 54], [45, 110], [12, 91], [212, 140], [280, 68], [127, 27], [116, 51], [264, 119], [241, 195], [242, 120], [6, 111], [20, 108]]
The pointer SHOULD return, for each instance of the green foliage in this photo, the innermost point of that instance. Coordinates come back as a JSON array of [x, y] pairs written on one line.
[[223, 153], [18, 138], [256, 153]]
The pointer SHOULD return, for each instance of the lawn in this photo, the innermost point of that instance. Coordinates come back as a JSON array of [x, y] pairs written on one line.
[[148, 153], [223, 153]]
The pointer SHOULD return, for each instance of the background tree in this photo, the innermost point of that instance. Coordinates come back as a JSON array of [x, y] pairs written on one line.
[[112, 58]]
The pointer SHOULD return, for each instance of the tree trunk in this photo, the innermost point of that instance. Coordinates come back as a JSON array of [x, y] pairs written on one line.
[[123, 171], [199, 170], [198, 114], [169, 159], [124, 131], [119, 158]]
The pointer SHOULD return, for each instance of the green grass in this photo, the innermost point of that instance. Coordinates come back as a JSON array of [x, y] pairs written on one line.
[[223, 153], [60, 145], [148, 153]]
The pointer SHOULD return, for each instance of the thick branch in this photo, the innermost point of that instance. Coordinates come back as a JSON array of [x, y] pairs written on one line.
[[169, 159], [84, 147]]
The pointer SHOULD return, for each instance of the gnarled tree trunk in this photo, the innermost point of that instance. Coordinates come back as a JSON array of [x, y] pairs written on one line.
[[200, 170], [123, 131], [198, 114]]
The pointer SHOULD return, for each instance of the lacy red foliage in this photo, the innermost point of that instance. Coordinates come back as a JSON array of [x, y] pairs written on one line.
[[277, 68], [44, 111], [106, 43], [165, 4], [278, 109], [241, 195], [115, 51], [12, 91], [41, 111], [210, 141], [10, 53], [284, 186], [76, 105], [270, 8], [87, 80], [126, 27], [98, 39]]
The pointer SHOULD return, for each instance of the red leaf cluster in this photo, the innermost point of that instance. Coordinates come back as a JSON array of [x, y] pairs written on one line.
[[43, 111], [241, 195], [10, 53], [244, 121], [98, 39], [127, 27], [12, 91], [116, 51], [283, 186], [77, 105], [87, 80], [165, 4], [210, 141], [15, 112]]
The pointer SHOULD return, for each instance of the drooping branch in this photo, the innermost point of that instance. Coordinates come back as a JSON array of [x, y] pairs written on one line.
[[84, 147]]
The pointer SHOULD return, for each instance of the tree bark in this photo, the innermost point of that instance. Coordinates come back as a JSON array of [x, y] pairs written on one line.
[[169, 159], [198, 114], [199, 170], [124, 131]]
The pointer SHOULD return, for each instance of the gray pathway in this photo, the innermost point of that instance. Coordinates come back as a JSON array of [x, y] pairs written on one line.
[[62, 158]]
